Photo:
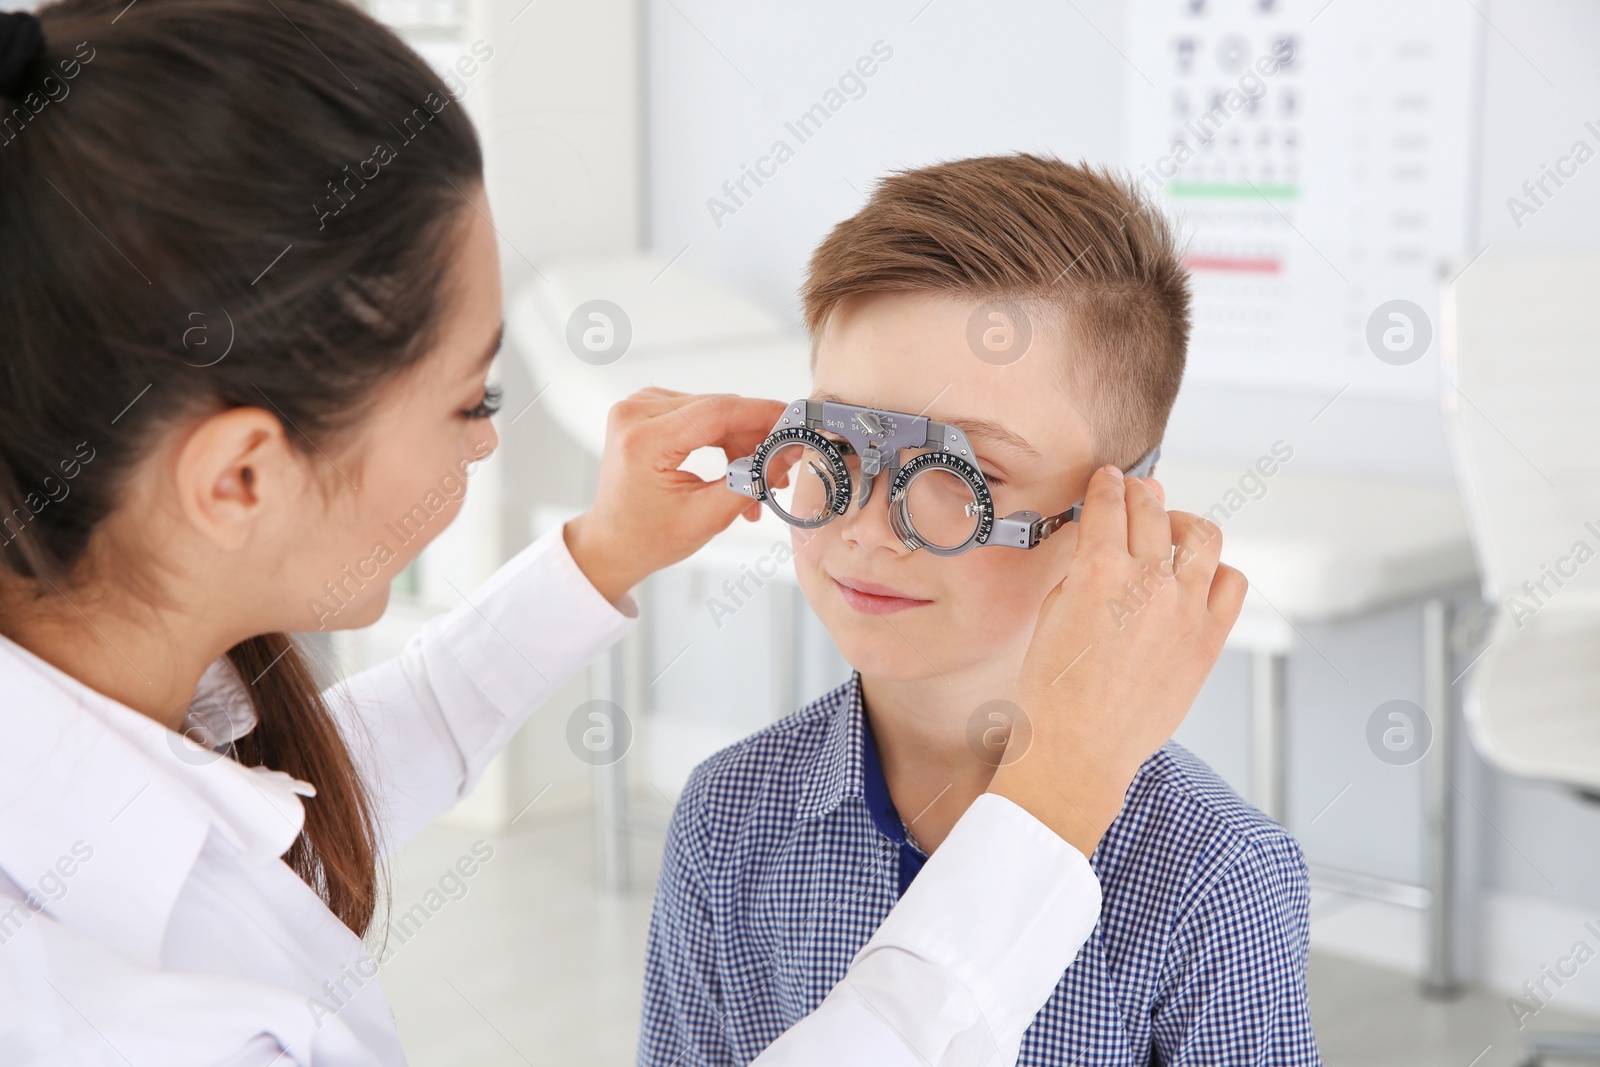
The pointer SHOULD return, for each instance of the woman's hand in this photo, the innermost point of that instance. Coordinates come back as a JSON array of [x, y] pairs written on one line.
[[1120, 652], [647, 513]]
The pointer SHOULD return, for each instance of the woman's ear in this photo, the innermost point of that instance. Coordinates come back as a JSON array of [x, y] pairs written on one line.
[[231, 468]]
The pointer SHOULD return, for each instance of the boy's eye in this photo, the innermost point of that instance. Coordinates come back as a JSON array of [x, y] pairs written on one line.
[[489, 405]]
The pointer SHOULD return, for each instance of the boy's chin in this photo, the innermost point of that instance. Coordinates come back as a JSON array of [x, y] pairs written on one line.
[[932, 652], [894, 660]]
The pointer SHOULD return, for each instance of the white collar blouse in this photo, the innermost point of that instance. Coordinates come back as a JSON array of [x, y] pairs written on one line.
[[145, 913]]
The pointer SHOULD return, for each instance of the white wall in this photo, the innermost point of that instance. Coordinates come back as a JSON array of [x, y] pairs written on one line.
[[724, 78]]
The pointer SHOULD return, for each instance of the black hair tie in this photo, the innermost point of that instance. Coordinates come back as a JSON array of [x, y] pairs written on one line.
[[21, 37]]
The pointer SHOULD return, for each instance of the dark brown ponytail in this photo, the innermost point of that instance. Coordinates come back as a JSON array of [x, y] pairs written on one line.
[[190, 220], [337, 852]]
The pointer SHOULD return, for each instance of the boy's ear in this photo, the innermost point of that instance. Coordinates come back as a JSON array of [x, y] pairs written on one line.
[[230, 469]]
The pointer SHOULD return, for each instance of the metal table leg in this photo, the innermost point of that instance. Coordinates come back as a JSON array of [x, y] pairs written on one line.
[[620, 678], [1267, 782], [1440, 978], [610, 790]]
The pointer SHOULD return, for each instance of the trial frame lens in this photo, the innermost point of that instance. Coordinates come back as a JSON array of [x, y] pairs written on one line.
[[818, 463], [954, 501]]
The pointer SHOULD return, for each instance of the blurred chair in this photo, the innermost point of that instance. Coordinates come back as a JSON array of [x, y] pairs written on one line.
[[593, 331], [1523, 381]]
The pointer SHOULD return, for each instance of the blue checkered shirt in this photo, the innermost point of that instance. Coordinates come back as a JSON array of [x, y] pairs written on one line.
[[778, 868]]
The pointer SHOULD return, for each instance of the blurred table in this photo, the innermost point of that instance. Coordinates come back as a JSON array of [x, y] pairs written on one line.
[[1318, 547]]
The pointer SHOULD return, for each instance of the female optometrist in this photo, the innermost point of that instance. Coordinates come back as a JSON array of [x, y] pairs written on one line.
[[249, 293]]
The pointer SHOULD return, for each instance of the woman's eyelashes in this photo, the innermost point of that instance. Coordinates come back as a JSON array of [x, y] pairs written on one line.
[[489, 405]]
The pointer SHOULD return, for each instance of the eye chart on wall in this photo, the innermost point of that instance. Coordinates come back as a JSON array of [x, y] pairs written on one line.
[[1316, 156]]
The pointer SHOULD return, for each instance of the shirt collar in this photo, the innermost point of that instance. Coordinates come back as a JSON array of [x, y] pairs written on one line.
[[836, 770], [89, 785], [847, 765]]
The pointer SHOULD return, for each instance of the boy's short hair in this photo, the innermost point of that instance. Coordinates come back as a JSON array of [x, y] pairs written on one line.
[[1075, 245]]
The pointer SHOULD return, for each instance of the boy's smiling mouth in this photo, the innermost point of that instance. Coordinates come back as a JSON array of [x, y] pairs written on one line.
[[869, 598]]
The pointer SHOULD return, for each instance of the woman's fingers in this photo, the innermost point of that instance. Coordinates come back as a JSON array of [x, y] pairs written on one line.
[[1104, 522], [1125, 516], [1149, 530], [735, 424], [648, 513], [1197, 557], [1227, 596], [1135, 668], [1196, 548]]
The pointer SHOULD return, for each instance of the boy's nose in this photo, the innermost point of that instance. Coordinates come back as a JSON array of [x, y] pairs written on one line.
[[867, 524]]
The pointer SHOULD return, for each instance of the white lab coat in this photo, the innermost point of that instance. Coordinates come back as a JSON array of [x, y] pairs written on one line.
[[147, 919]]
